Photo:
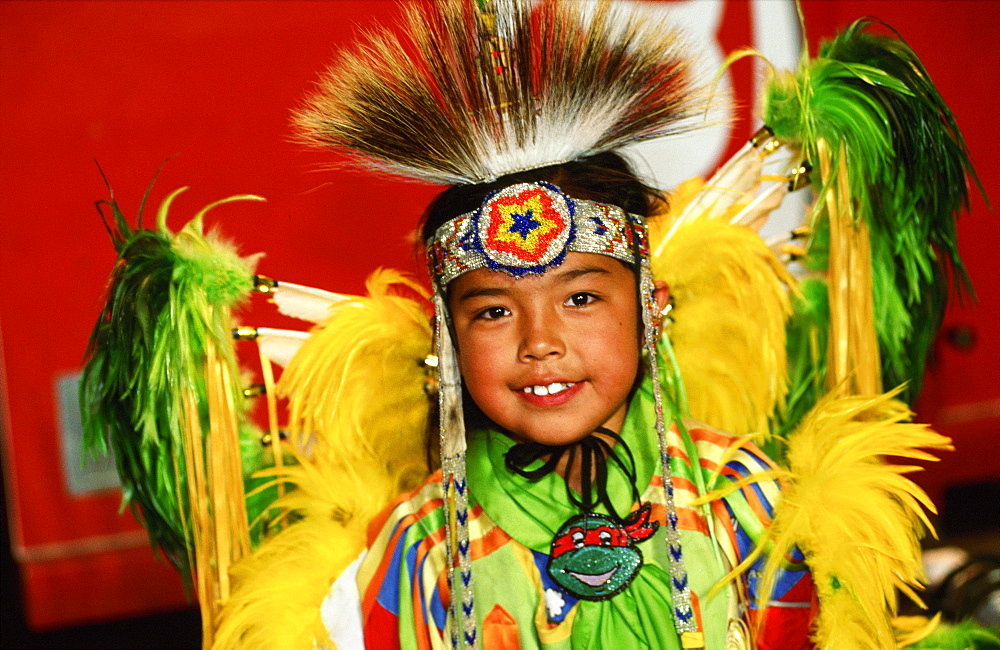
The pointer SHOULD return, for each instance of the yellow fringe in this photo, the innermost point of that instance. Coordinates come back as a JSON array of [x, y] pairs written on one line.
[[856, 518], [854, 355]]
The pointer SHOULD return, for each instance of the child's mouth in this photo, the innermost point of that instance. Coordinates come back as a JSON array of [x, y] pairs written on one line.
[[549, 389], [552, 394]]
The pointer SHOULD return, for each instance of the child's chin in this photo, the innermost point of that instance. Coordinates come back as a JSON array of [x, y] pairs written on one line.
[[549, 437]]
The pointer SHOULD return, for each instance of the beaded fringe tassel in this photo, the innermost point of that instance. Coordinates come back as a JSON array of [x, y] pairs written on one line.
[[454, 484], [683, 613]]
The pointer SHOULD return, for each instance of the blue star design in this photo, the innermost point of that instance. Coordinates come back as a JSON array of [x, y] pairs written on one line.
[[600, 229], [523, 223]]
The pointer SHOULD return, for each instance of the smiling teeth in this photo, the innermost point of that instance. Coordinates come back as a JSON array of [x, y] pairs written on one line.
[[551, 389]]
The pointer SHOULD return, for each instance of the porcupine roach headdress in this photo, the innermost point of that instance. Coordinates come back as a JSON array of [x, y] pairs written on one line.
[[478, 90]]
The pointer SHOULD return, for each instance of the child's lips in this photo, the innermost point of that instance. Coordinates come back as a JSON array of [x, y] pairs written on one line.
[[550, 394]]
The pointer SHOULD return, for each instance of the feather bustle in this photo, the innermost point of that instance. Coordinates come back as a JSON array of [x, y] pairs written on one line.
[[158, 387], [895, 150], [730, 299]]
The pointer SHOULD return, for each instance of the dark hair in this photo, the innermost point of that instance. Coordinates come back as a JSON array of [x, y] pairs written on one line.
[[605, 178]]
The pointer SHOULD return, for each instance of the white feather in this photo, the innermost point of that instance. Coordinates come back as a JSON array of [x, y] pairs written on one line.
[[739, 176], [741, 180], [306, 303], [280, 345], [755, 213]]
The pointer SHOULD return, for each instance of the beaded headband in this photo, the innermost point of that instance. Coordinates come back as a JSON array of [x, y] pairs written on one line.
[[529, 228]]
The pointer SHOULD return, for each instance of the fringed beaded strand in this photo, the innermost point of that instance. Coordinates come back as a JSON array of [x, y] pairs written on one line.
[[454, 485], [683, 612]]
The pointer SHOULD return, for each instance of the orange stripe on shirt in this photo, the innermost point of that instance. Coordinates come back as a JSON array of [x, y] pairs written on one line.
[[717, 438], [379, 521], [687, 519], [750, 494], [400, 529], [419, 608]]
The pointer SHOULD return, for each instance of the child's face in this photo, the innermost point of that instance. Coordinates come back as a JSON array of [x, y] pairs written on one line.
[[569, 336]]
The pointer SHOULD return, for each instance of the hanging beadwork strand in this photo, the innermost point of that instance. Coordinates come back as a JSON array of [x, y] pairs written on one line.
[[683, 613], [454, 484]]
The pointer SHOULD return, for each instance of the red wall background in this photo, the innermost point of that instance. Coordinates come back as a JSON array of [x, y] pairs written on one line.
[[131, 83]]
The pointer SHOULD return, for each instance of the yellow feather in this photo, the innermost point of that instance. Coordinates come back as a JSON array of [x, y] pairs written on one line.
[[280, 588], [730, 303], [856, 518], [913, 629], [358, 417], [358, 384]]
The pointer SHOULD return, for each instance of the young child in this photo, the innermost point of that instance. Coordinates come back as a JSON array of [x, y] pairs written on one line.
[[573, 541], [574, 504]]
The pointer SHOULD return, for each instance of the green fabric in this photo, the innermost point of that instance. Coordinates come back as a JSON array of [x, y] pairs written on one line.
[[512, 602], [532, 512]]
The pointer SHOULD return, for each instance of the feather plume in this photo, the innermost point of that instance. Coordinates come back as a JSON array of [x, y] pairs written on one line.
[[331, 383], [855, 516], [472, 94], [279, 589], [358, 414], [898, 162], [160, 387], [737, 183], [168, 298]]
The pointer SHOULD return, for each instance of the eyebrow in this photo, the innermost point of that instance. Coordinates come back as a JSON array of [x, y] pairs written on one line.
[[477, 292], [572, 274], [563, 277]]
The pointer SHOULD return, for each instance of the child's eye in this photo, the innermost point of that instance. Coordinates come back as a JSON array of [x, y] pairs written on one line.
[[580, 299], [493, 313]]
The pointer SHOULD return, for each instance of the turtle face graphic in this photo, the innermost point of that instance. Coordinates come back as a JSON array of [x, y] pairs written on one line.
[[594, 557]]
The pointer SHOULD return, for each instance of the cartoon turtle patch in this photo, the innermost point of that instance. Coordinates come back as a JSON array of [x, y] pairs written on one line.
[[594, 556]]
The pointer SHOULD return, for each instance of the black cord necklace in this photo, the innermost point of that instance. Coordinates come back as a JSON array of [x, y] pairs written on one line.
[[595, 452], [593, 556]]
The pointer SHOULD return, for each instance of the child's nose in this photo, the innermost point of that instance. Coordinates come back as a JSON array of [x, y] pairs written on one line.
[[541, 340]]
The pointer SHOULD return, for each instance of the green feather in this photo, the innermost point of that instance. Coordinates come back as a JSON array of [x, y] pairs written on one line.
[[169, 294], [960, 636], [908, 169], [261, 486]]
